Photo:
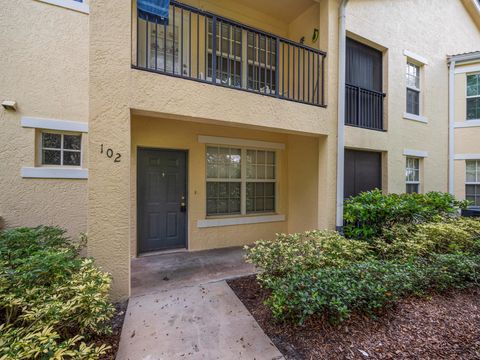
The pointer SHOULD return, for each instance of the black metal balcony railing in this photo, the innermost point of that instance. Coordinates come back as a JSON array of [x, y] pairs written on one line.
[[245, 58], [363, 108]]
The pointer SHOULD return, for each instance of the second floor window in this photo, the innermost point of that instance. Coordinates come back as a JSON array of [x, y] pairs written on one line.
[[473, 97], [412, 175], [472, 183], [413, 89]]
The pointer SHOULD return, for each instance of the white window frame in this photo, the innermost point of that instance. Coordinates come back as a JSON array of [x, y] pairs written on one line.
[[471, 96], [477, 176], [243, 180], [414, 88], [62, 133], [415, 182]]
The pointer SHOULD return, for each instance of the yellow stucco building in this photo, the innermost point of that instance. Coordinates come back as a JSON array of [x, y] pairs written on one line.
[[153, 135]]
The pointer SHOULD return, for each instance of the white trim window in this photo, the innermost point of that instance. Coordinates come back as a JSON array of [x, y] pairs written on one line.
[[472, 183], [412, 175], [60, 149], [240, 181], [413, 88], [473, 96]]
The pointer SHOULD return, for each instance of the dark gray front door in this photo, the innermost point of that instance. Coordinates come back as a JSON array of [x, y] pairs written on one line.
[[363, 172], [162, 199]]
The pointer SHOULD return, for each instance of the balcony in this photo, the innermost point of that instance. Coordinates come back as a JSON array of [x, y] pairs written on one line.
[[241, 57], [363, 108]]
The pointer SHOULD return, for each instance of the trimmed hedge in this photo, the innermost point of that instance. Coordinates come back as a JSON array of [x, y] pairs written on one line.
[[367, 287]]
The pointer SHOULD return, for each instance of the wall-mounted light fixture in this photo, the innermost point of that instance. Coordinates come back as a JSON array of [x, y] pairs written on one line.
[[9, 105]]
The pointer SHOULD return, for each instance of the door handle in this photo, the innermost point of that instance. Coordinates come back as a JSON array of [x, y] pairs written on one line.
[[183, 207]]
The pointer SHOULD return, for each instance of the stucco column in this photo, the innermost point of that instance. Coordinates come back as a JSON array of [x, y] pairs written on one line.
[[109, 141]]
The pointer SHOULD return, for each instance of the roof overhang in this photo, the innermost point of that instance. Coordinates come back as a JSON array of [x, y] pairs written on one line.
[[473, 8]]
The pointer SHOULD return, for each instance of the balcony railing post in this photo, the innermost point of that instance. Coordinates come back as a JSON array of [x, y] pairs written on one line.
[[214, 49], [277, 66], [358, 106]]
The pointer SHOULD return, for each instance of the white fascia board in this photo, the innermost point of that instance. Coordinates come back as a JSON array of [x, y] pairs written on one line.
[[415, 57], [54, 173], [415, 153], [467, 157], [239, 221], [54, 124], [239, 142], [69, 4]]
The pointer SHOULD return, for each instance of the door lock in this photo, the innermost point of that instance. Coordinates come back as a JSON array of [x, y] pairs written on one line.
[[183, 206]]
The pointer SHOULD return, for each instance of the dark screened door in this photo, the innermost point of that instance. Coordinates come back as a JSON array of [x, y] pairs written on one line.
[[363, 172], [162, 183]]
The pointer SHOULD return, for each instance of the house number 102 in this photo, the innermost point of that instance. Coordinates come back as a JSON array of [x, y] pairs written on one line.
[[110, 154]]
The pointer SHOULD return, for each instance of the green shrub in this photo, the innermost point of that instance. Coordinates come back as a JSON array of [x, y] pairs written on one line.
[[51, 299], [366, 287], [449, 236], [368, 214], [304, 252]]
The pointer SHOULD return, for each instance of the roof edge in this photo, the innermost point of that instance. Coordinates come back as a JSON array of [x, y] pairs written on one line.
[[464, 57]]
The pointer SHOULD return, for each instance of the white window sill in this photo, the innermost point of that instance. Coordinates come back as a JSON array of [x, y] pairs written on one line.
[[239, 221], [414, 117], [54, 173], [69, 4], [468, 123]]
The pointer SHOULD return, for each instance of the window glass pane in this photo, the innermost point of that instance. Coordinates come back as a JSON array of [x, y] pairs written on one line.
[[223, 198], [413, 102], [51, 157], [472, 193], [72, 142], [71, 158], [412, 188], [473, 108], [471, 175], [260, 197], [260, 164], [50, 140], [473, 85], [223, 163]]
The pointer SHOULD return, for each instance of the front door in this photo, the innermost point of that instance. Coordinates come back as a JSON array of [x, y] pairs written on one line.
[[363, 172], [161, 199]]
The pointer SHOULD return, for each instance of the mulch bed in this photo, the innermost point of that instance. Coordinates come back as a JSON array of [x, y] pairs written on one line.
[[445, 326], [114, 339]]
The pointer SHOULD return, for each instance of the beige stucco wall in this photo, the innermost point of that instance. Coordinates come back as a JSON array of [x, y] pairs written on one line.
[[432, 30], [44, 67]]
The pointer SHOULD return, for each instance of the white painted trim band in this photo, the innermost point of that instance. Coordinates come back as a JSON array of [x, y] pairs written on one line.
[[467, 69], [414, 117], [54, 173], [69, 4], [467, 157], [53, 124], [239, 142], [415, 57], [467, 124], [415, 153], [239, 221]]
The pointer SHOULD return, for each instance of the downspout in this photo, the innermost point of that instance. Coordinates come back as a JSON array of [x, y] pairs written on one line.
[[451, 128], [342, 39]]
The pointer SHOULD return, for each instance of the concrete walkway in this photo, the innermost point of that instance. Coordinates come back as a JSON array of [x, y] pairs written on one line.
[[192, 317]]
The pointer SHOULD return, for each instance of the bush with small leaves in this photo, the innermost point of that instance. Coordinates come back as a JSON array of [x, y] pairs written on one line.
[[52, 301]]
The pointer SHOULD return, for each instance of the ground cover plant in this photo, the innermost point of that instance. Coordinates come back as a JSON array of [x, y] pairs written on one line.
[[424, 247], [53, 302]]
